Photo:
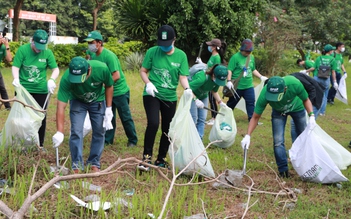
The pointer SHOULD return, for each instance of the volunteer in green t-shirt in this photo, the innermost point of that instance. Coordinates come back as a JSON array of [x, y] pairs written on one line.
[[339, 61], [326, 59], [307, 64], [287, 97], [29, 69], [217, 49], [121, 93], [201, 84], [236, 67], [164, 66], [4, 53], [88, 86]]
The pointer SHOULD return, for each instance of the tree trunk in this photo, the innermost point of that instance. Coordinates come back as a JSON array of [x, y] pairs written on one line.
[[99, 4], [16, 13]]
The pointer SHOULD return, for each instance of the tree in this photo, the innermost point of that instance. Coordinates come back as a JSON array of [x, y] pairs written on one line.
[[98, 5], [16, 22]]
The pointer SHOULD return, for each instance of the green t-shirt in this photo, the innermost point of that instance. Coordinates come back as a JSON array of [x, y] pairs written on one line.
[[326, 60], [164, 71], [236, 64], [32, 68], [309, 64], [338, 61], [292, 100], [2, 52], [112, 62], [91, 90], [216, 59], [202, 84]]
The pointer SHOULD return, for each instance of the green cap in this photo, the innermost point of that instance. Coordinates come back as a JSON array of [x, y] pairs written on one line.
[[78, 69], [221, 73], [329, 47], [93, 35], [40, 39], [275, 89]]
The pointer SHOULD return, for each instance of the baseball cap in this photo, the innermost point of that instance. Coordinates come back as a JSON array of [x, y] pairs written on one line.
[[93, 35], [78, 69], [165, 35], [275, 89], [246, 45], [214, 42], [329, 47], [221, 73], [40, 39]]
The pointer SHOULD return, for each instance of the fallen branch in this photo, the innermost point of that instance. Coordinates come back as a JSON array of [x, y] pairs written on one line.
[[14, 99]]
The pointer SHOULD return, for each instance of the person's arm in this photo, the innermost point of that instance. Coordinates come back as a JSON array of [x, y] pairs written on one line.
[[108, 95], [8, 52], [253, 123], [184, 81], [257, 74], [60, 115], [343, 68], [55, 73], [216, 97], [143, 75], [116, 76], [229, 76], [308, 106]]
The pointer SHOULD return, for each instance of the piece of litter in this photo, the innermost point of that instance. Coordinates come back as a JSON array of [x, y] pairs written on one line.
[[95, 206], [297, 190], [91, 187], [121, 201], [196, 216], [61, 185], [3, 182], [151, 215], [7, 190], [129, 192], [92, 198]]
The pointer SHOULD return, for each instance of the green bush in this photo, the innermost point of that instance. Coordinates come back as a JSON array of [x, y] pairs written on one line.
[[134, 61]]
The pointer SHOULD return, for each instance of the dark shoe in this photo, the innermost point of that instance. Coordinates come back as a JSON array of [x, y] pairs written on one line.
[[350, 144], [129, 144], [284, 174], [146, 159], [162, 163], [331, 102], [8, 108]]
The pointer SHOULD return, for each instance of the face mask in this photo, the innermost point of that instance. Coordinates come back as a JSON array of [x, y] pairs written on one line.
[[342, 49], [35, 49], [166, 48], [92, 48], [209, 48]]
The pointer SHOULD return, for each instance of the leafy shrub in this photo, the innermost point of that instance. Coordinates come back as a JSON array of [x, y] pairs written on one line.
[[134, 61]]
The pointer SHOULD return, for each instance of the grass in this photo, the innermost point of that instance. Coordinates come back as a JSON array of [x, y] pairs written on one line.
[[315, 201]]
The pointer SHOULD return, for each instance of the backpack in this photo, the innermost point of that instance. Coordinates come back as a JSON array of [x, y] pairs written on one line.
[[324, 70], [195, 69]]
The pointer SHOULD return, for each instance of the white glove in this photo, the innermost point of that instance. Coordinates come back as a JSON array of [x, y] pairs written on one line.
[[51, 86], [345, 74], [16, 82], [108, 118], [188, 91], [57, 139], [230, 85], [199, 104], [336, 86], [221, 104], [312, 122], [245, 142], [198, 60], [304, 71], [151, 89], [263, 78]]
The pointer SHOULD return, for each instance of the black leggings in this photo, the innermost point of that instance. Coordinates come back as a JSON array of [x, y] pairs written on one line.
[[40, 98], [3, 92], [213, 104], [153, 106]]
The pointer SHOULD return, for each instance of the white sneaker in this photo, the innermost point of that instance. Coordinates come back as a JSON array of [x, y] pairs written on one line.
[[210, 122]]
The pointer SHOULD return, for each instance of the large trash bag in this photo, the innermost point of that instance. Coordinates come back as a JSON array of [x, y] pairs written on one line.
[[187, 143], [22, 124], [224, 128], [341, 93], [241, 104], [312, 162]]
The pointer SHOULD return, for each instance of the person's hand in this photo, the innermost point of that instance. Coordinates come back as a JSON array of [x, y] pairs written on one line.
[[230, 85], [263, 78], [221, 104], [199, 104], [245, 142], [335, 85], [304, 71], [345, 74], [312, 122], [51, 85], [57, 139], [151, 89], [107, 124], [16, 82], [198, 60]]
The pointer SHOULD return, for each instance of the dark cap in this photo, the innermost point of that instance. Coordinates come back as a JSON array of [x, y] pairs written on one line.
[[78, 68], [165, 35], [246, 45], [214, 42], [275, 89]]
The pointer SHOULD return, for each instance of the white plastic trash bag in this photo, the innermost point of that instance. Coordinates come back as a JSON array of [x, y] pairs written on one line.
[[87, 125], [341, 93], [224, 128], [312, 162], [22, 124], [187, 142], [241, 104]]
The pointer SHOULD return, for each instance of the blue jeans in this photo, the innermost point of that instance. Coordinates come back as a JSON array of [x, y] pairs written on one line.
[[326, 83], [278, 129], [77, 113], [199, 116], [331, 90], [249, 96]]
